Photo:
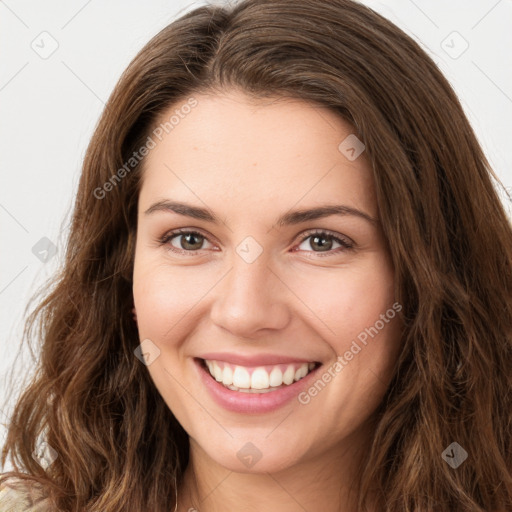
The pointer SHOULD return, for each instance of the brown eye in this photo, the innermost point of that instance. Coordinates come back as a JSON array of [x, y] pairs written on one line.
[[323, 242], [189, 241], [183, 241]]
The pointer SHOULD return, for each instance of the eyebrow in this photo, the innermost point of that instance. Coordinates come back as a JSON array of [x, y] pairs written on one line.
[[289, 218]]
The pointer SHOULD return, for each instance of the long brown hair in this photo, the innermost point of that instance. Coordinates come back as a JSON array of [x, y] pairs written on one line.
[[119, 446]]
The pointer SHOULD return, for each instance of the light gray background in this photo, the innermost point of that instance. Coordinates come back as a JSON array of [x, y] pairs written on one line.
[[49, 105]]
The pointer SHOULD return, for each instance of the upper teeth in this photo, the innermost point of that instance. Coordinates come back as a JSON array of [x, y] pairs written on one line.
[[261, 377]]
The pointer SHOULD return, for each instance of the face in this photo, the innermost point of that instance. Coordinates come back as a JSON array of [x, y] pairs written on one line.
[[232, 272]]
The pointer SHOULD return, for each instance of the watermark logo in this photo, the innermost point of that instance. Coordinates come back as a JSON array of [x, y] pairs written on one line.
[[454, 45], [249, 249], [454, 455], [45, 45], [147, 352], [44, 250], [351, 147], [249, 454], [44, 455]]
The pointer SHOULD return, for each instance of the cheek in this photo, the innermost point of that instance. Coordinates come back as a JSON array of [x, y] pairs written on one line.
[[158, 302], [347, 301], [164, 295]]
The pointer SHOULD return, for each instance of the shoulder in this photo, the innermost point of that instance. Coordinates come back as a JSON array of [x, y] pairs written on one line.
[[17, 495]]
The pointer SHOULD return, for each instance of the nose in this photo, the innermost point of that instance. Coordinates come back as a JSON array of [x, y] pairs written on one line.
[[250, 298]]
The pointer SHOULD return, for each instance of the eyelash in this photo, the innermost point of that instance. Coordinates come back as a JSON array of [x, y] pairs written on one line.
[[346, 245]]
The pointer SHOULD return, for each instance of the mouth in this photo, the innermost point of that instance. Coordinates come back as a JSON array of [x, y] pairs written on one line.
[[257, 379]]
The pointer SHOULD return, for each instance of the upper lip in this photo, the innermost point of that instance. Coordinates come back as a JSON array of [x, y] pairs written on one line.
[[253, 360]]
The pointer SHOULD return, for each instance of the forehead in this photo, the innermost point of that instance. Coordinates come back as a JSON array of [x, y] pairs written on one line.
[[230, 149]]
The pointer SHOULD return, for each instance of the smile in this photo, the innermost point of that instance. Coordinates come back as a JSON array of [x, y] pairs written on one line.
[[257, 379]]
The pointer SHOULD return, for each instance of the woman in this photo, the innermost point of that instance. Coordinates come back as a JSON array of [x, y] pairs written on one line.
[[287, 285]]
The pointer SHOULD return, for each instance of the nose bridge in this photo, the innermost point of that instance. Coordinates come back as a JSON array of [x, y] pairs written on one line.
[[250, 281], [249, 298]]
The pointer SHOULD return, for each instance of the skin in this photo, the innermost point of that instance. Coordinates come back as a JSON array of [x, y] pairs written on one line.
[[249, 161]]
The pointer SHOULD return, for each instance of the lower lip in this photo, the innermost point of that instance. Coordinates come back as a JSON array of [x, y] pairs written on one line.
[[252, 403]]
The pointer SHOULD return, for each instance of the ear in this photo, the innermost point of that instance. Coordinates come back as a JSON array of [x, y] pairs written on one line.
[[134, 314]]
